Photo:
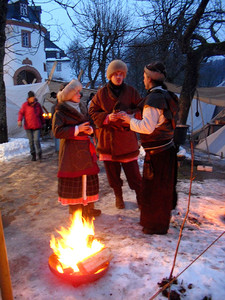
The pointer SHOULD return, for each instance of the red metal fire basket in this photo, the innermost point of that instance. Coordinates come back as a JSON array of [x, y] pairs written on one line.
[[76, 278]]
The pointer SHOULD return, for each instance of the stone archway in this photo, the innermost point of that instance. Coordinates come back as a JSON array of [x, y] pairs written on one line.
[[27, 73]]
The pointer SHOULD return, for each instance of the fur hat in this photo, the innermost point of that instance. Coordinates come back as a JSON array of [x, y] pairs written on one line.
[[114, 66], [156, 71], [69, 90]]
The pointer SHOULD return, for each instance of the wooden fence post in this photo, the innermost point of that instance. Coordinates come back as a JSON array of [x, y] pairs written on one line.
[[5, 280]]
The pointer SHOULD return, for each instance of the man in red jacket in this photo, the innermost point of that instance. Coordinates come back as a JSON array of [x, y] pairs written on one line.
[[31, 112]]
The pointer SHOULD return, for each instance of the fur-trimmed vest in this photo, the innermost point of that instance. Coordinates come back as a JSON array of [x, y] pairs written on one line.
[[168, 102]]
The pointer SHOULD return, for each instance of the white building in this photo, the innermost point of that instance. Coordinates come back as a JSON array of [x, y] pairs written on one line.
[[29, 54], [63, 70], [25, 56]]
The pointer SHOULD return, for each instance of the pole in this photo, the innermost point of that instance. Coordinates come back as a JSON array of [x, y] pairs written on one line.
[[52, 72], [5, 280]]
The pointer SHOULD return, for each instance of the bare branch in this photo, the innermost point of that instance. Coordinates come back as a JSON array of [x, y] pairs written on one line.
[[193, 24]]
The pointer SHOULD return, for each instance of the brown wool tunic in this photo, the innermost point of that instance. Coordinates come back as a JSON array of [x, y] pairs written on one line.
[[115, 139]]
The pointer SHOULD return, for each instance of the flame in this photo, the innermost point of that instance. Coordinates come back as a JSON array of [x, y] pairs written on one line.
[[76, 243], [47, 115]]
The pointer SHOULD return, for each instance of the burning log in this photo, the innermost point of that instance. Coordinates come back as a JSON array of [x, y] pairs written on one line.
[[90, 240], [95, 262]]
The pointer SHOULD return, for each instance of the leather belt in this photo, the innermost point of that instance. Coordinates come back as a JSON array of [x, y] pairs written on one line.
[[155, 150]]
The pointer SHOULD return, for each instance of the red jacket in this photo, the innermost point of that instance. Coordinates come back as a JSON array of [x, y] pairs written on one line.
[[32, 115]]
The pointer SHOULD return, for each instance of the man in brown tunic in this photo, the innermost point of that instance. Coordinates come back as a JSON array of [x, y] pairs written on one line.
[[117, 144]]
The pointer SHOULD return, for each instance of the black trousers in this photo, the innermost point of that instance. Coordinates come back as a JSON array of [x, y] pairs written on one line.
[[131, 170]]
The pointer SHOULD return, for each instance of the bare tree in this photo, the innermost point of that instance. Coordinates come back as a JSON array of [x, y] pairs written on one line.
[[212, 67], [197, 47], [102, 27], [3, 120], [78, 56], [192, 28]]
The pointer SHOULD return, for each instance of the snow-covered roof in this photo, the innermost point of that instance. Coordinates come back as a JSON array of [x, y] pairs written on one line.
[[57, 59]]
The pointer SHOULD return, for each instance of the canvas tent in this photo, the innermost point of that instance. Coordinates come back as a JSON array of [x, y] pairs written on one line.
[[206, 112], [214, 143], [211, 95], [15, 97], [209, 99]]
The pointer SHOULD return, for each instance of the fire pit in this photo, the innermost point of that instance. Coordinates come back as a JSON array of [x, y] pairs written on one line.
[[75, 278], [78, 257]]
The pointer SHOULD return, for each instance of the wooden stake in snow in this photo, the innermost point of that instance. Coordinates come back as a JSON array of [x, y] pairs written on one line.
[[5, 280], [95, 262]]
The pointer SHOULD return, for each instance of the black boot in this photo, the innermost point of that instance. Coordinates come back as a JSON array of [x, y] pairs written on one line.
[[119, 198], [40, 156], [138, 197], [33, 157]]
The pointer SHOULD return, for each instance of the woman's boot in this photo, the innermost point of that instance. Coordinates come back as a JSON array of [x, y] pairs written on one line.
[[74, 208], [119, 198], [92, 211], [85, 212]]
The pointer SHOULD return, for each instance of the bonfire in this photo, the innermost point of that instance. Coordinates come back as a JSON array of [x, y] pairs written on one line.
[[77, 253]]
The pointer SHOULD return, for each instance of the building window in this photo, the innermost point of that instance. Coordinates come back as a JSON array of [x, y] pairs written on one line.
[[45, 69], [26, 38], [57, 55], [59, 67], [23, 10]]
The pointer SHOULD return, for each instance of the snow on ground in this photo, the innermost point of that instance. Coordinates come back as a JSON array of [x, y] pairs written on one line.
[[28, 198], [15, 148]]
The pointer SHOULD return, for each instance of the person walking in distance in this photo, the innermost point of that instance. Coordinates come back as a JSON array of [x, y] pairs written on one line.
[[32, 114], [117, 145]]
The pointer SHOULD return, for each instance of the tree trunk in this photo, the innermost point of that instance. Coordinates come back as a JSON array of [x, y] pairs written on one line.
[[189, 85], [3, 120]]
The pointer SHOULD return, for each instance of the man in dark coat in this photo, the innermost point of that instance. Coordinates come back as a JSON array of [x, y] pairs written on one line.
[[156, 128]]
